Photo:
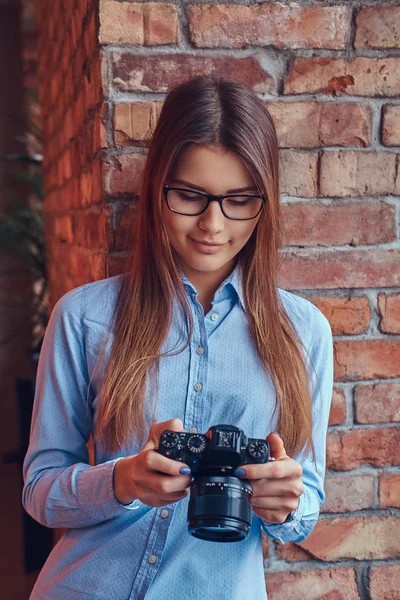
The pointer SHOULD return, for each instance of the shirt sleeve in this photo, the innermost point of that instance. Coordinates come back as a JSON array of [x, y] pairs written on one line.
[[320, 367], [60, 488]]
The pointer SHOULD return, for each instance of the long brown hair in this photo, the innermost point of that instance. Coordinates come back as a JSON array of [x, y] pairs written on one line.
[[206, 111]]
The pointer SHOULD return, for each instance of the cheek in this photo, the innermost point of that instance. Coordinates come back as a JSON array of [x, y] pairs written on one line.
[[243, 236], [176, 225]]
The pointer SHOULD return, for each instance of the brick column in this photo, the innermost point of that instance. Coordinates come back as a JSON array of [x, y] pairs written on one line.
[[330, 75]]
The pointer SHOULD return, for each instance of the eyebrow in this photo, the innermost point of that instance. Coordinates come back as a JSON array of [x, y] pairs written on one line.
[[248, 188]]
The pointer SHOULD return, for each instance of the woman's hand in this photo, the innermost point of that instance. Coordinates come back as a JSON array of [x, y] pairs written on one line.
[[150, 477], [277, 485]]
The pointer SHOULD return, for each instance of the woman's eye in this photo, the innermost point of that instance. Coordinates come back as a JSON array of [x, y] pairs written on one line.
[[233, 202], [190, 196]]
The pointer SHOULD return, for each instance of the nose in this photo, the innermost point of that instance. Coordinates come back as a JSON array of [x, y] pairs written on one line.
[[212, 220]]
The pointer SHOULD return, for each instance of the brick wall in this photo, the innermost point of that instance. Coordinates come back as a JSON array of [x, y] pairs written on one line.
[[71, 104], [330, 75]]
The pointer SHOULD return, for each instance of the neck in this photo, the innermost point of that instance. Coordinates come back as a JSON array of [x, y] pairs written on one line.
[[206, 282]]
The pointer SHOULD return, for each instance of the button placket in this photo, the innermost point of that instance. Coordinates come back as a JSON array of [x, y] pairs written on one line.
[[198, 370]]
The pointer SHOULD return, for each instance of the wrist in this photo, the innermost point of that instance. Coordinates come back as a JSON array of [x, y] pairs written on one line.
[[120, 477]]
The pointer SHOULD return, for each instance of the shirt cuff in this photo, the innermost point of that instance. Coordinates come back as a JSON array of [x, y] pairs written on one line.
[[297, 529], [98, 491]]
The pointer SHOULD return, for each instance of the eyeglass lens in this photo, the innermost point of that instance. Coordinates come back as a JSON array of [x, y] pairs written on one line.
[[192, 203]]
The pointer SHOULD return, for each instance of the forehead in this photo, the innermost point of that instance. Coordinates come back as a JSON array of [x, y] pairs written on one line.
[[213, 168]]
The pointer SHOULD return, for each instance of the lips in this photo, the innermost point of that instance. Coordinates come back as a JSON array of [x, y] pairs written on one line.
[[206, 247], [207, 243]]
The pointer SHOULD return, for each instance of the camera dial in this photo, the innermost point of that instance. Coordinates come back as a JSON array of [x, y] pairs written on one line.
[[196, 443], [257, 449], [170, 439]]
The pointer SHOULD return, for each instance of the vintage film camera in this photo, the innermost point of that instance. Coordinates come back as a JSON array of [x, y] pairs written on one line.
[[219, 504]]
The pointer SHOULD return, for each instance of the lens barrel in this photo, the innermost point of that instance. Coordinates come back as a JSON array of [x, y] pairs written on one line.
[[219, 508]]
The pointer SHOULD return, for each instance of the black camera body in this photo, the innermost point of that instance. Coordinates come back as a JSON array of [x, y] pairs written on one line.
[[222, 446], [219, 505]]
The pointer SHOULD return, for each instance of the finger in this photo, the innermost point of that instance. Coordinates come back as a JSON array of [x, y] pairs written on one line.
[[276, 503], [277, 448], [156, 430], [273, 470], [278, 487], [164, 485], [153, 461]]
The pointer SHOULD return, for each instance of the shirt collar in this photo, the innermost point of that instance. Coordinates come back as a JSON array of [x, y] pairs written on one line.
[[234, 280]]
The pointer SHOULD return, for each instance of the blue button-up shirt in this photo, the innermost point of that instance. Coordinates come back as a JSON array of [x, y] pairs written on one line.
[[114, 551]]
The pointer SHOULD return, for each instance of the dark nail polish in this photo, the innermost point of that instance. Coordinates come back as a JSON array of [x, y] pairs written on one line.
[[185, 471], [239, 472]]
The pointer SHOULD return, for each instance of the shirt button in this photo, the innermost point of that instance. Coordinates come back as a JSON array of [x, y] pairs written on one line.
[[152, 559], [164, 514], [200, 350], [214, 317], [193, 430], [198, 387]]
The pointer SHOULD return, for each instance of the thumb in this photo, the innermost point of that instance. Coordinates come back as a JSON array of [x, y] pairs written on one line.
[[156, 430], [276, 446]]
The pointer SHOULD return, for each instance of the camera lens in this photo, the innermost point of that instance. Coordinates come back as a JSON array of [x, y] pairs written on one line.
[[219, 508]]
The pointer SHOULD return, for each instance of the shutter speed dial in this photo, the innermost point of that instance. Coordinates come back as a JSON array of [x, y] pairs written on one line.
[[196, 443]]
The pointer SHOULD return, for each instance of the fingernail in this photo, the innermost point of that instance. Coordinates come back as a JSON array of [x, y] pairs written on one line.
[[239, 472], [276, 433], [185, 471]]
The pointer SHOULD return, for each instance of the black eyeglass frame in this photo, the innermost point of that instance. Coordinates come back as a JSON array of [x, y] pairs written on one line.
[[210, 198]]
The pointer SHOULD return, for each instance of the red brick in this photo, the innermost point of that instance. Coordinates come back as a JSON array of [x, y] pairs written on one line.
[[338, 410], [359, 77], [348, 493], [318, 584], [362, 538], [389, 491], [346, 315], [349, 449], [311, 124], [89, 228], [385, 582], [314, 269], [298, 173], [349, 173], [120, 221], [160, 24], [291, 552], [377, 403], [85, 266], [136, 23], [152, 73], [116, 264], [378, 27], [122, 174], [391, 125], [135, 122], [389, 309], [283, 26], [121, 22], [355, 223], [367, 359]]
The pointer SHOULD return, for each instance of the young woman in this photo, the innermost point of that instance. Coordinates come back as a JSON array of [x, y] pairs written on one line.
[[196, 334]]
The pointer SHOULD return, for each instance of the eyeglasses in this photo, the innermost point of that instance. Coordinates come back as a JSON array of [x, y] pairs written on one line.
[[239, 207]]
